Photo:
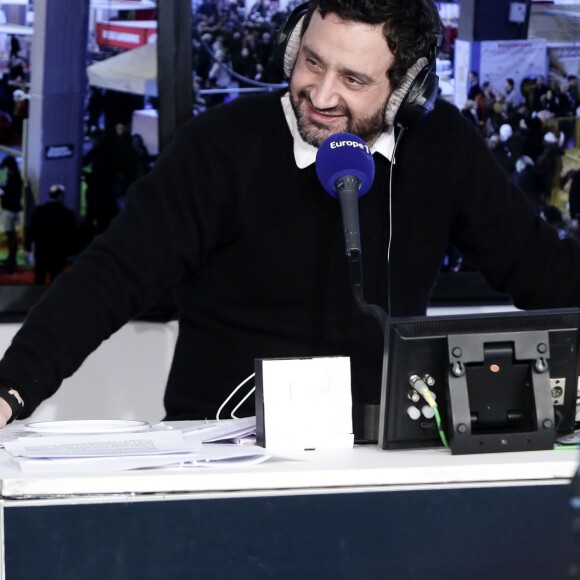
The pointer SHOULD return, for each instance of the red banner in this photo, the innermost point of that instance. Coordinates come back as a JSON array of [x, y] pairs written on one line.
[[121, 36]]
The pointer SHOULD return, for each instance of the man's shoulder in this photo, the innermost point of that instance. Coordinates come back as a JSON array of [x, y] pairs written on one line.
[[233, 132], [447, 116], [445, 129], [246, 111], [446, 109]]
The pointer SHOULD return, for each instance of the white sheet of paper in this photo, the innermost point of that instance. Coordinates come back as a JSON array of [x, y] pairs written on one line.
[[213, 455], [101, 445]]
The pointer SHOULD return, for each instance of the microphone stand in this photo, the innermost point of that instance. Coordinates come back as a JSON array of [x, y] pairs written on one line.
[[347, 188], [354, 257]]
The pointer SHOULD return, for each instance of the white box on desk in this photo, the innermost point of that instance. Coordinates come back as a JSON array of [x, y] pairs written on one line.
[[304, 403]]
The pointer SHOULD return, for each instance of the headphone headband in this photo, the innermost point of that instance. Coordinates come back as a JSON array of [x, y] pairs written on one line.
[[290, 22]]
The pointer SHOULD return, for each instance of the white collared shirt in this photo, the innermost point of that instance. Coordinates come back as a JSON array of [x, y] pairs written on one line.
[[305, 154]]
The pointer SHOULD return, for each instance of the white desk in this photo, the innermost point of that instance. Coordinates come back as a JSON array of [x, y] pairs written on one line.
[[357, 514]]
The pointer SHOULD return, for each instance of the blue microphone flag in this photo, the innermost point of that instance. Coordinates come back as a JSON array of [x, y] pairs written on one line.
[[341, 155]]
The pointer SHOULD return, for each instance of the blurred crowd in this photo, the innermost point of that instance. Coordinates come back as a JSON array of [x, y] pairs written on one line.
[[234, 47], [529, 130], [14, 84]]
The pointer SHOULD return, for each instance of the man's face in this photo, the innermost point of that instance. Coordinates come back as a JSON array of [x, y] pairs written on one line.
[[339, 82]]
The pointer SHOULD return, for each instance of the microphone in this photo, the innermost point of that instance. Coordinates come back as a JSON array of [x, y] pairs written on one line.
[[345, 167]]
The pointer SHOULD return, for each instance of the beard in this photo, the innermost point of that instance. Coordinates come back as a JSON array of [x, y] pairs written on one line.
[[314, 133]]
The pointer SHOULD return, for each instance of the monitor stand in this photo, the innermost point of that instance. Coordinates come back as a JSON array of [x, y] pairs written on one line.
[[500, 393]]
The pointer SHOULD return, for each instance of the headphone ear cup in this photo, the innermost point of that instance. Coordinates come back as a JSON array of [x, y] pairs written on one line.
[[292, 47], [415, 98]]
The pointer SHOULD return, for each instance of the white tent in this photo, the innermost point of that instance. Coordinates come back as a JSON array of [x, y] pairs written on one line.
[[18, 29], [119, 5], [133, 71]]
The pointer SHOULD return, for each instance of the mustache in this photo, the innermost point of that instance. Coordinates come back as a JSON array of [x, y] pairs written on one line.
[[304, 95]]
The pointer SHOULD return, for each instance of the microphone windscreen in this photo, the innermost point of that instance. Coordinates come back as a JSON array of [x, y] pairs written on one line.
[[344, 154]]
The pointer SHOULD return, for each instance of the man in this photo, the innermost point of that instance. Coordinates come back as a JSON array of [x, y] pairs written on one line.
[[512, 98], [52, 235], [11, 191], [234, 216], [474, 86]]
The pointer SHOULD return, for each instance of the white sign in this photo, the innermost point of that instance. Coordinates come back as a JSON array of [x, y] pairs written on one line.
[[516, 59], [59, 151], [462, 62], [565, 60]]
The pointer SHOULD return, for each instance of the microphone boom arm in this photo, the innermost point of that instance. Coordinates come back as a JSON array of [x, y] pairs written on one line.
[[348, 192], [355, 268]]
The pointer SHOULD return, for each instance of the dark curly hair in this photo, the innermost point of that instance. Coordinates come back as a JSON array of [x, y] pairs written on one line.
[[412, 28]]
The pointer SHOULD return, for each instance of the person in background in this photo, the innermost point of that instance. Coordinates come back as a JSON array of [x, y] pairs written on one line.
[[474, 86], [571, 184], [549, 162], [512, 141], [574, 91], [530, 181], [52, 236], [11, 191], [234, 218], [110, 165], [498, 112], [19, 113], [501, 153], [550, 101], [14, 46], [141, 160], [95, 110], [470, 112], [538, 92], [513, 100], [219, 76], [565, 110]]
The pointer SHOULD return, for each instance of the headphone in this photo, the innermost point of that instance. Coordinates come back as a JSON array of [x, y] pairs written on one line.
[[408, 104]]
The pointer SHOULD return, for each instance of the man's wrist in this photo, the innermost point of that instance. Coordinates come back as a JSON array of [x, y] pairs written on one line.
[[16, 403]]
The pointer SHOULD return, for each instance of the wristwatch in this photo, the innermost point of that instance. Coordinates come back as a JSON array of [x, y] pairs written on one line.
[[14, 400]]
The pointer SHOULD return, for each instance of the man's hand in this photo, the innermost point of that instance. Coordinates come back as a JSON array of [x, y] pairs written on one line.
[[5, 413]]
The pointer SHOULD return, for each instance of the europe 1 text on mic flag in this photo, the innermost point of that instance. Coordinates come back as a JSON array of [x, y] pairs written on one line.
[[346, 168]]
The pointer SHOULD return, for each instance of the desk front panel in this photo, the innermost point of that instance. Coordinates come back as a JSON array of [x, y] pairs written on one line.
[[515, 532]]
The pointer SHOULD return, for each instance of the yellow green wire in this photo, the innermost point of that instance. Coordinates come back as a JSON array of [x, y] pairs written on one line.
[[440, 426], [428, 396]]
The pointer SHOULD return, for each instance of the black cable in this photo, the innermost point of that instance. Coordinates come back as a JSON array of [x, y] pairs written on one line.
[[270, 86]]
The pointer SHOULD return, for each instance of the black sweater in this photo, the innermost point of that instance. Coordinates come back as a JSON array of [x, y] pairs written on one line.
[[254, 247]]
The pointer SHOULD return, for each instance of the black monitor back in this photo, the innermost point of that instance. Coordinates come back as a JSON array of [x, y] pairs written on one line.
[[503, 382]]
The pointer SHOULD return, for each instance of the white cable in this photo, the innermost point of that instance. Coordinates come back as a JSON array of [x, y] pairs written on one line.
[[390, 241], [232, 394], [242, 402]]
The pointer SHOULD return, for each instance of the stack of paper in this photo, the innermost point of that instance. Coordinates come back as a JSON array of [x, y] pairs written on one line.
[[153, 447], [237, 430]]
